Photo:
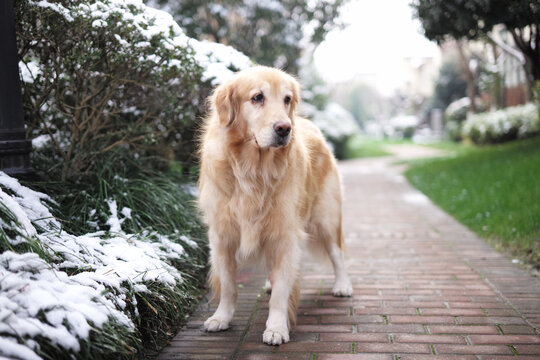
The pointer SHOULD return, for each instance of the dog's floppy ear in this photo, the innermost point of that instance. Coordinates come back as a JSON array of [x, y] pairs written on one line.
[[295, 86], [223, 101]]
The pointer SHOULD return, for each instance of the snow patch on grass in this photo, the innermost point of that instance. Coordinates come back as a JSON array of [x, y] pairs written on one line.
[[37, 300], [42, 299]]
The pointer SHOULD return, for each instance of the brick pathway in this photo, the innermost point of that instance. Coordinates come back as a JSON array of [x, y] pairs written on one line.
[[425, 288]]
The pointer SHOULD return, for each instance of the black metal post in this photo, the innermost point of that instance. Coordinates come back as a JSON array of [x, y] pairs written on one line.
[[14, 148]]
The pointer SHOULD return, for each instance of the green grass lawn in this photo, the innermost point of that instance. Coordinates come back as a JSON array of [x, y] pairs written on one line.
[[495, 191], [360, 147]]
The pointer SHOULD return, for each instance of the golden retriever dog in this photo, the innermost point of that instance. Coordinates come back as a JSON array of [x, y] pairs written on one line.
[[269, 186]]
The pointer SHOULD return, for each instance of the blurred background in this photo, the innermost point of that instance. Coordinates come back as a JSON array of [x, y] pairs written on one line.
[[390, 69]]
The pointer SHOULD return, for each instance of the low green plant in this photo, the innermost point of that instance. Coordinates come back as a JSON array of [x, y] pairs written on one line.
[[492, 190], [360, 147], [159, 202], [455, 116], [112, 340]]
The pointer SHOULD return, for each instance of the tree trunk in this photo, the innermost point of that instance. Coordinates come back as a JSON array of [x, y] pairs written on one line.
[[498, 83], [469, 77], [532, 55]]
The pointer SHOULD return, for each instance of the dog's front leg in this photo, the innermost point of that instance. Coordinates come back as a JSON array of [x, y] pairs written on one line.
[[223, 281], [283, 277]]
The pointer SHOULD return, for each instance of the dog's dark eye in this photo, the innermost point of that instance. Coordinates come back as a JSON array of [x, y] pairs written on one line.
[[259, 98], [287, 100]]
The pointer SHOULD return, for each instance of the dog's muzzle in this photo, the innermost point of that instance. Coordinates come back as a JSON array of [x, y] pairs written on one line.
[[282, 132]]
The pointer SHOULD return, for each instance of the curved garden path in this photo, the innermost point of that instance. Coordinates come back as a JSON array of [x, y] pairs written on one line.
[[425, 287]]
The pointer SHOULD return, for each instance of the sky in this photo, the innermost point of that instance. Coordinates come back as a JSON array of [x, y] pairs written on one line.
[[379, 35]]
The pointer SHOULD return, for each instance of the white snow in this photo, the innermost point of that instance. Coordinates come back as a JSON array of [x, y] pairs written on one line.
[[113, 220], [13, 349], [273, 5], [126, 212], [404, 121], [29, 71], [29, 286], [40, 141], [334, 121], [23, 223], [188, 241], [216, 59], [25, 205], [56, 7], [522, 119]]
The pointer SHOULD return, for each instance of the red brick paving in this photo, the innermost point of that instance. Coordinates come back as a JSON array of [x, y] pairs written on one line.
[[424, 288]]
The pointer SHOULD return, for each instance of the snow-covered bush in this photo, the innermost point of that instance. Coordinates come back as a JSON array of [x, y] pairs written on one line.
[[336, 123], [113, 76], [454, 116], [92, 295], [502, 125], [401, 126]]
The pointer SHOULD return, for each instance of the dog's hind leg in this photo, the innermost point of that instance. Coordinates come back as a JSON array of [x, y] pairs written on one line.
[[342, 284], [223, 282], [334, 246], [326, 232]]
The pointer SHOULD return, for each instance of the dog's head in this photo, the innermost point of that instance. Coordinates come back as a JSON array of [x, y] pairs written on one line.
[[259, 104]]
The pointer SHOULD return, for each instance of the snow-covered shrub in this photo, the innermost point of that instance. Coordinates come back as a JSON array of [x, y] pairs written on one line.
[[101, 294], [455, 115], [401, 126], [502, 125], [336, 123], [113, 76]]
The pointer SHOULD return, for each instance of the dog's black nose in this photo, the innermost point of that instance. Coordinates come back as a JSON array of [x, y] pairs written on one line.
[[282, 128]]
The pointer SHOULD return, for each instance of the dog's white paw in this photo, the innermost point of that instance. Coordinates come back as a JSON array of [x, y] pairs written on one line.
[[275, 336], [214, 324], [342, 288]]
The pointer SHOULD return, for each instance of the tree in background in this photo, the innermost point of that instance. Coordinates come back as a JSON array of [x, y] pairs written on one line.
[[449, 96], [272, 33], [363, 101], [449, 86], [315, 90], [473, 19]]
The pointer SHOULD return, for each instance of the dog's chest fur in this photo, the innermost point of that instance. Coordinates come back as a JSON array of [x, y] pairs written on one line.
[[256, 195]]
